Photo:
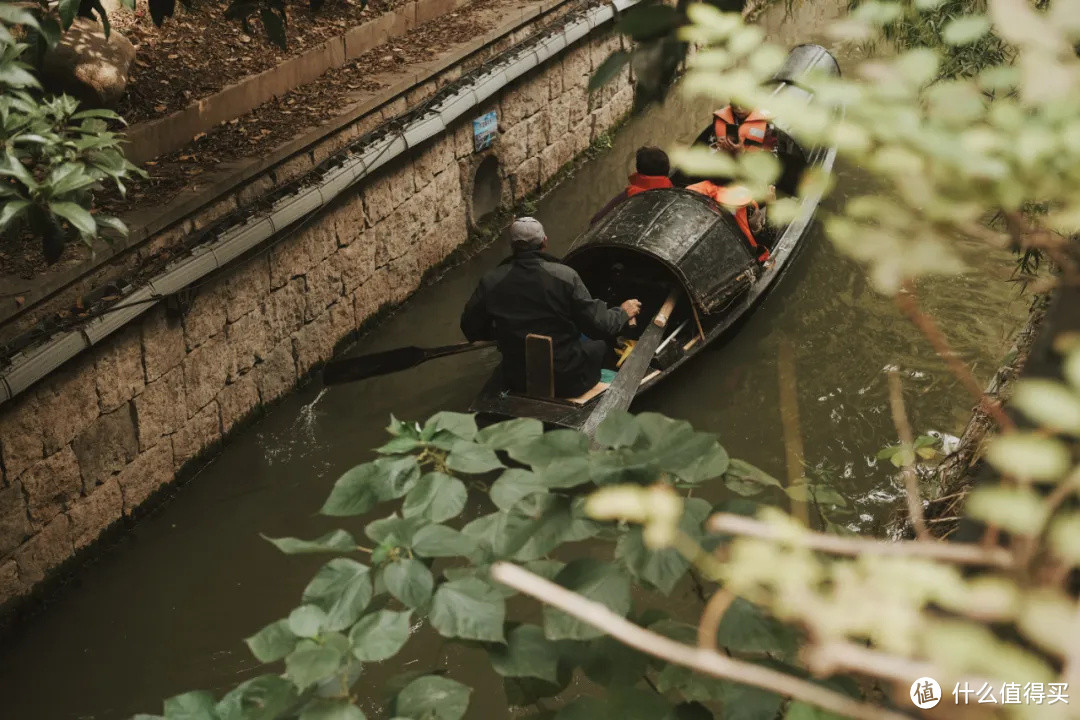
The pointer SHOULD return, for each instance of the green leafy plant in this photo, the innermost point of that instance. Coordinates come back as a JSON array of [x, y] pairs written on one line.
[[925, 447], [55, 156]]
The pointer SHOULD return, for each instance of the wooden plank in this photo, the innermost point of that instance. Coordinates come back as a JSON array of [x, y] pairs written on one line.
[[539, 366]]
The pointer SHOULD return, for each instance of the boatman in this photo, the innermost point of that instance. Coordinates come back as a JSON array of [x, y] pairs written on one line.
[[652, 170], [533, 292]]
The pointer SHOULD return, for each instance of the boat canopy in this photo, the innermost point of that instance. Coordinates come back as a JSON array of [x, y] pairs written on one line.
[[685, 231]]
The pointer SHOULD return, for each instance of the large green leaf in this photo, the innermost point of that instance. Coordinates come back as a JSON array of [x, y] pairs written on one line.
[[433, 698], [527, 653], [442, 541], [410, 581], [610, 663], [266, 697], [341, 587], [744, 702], [595, 580], [195, 705], [745, 628], [75, 214], [618, 429], [549, 447], [538, 524], [470, 458], [647, 22], [380, 635], [364, 486], [307, 621], [609, 69], [745, 479], [311, 663], [333, 541], [437, 497], [458, 424], [273, 642], [662, 568], [11, 210], [802, 711], [509, 433], [331, 709], [67, 10], [514, 485], [468, 608], [394, 530]]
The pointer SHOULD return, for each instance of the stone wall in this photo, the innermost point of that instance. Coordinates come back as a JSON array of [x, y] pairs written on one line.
[[88, 446]]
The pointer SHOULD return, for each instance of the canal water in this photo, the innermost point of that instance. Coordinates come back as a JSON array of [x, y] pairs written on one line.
[[164, 609]]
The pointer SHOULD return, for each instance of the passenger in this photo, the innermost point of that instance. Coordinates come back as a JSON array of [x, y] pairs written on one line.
[[737, 129], [653, 167], [749, 216], [533, 292]]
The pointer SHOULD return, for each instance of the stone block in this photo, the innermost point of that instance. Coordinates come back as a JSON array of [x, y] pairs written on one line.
[[249, 340], [577, 104], [22, 440], [349, 220], [67, 403], [205, 371], [148, 472], [119, 369], [622, 102], [315, 341], [378, 200], [370, 297], [403, 275], [356, 262], [45, 551], [555, 82], [402, 184], [603, 120], [448, 193], [538, 134], [236, 400], [452, 232], [293, 168], [515, 106], [277, 375], [559, 117], [202, 429], [580, 136], [106, 446], [163, 343], [464, 143], [394, 235], [51, 484], [301, 252], [206, 316], [576, 66], [14, 519], [526, 178], [513, 145], [285, 310], [161, 409], [11, 586], [433, 161], [553, 158], [211, 214], [324, 287], [92, 515], [247, 287]]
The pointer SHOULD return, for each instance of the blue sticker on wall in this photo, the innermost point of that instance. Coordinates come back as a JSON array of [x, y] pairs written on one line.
[[485, 128]]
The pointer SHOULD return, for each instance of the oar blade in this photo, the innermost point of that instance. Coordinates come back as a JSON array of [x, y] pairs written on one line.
[[365, 366]]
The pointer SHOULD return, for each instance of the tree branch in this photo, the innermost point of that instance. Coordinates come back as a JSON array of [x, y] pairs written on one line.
[[704, 661], [961, 554], [907, 444]]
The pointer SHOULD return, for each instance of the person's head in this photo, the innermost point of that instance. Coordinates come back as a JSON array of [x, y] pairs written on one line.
[[739, 111], [527, 234], [652, 161]]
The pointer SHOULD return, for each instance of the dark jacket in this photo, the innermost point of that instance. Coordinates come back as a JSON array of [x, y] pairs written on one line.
[[533, 292]]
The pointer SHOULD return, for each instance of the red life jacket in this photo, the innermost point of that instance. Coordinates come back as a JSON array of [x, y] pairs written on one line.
[[735, 198], [641, 183], [752, 131]]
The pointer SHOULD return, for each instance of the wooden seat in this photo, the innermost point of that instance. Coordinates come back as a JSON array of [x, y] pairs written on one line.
[[539, 366]]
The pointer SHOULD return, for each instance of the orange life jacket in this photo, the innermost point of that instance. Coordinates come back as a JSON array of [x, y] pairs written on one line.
[[737, 199], [640, 183], [753, 130]]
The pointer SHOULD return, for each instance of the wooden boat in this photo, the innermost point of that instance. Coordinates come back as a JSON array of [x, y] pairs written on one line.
[[674, 244]]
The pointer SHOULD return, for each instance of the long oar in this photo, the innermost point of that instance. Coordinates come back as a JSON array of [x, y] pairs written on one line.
[[624, 387], [391, 361]]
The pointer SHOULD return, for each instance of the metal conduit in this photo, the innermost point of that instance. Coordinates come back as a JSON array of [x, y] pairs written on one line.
[[29, 367]]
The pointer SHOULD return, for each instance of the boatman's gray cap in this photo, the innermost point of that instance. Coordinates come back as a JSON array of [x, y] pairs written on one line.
[[527, 234]]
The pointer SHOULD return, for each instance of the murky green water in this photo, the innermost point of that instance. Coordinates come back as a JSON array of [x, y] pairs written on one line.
[[164, 609]]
